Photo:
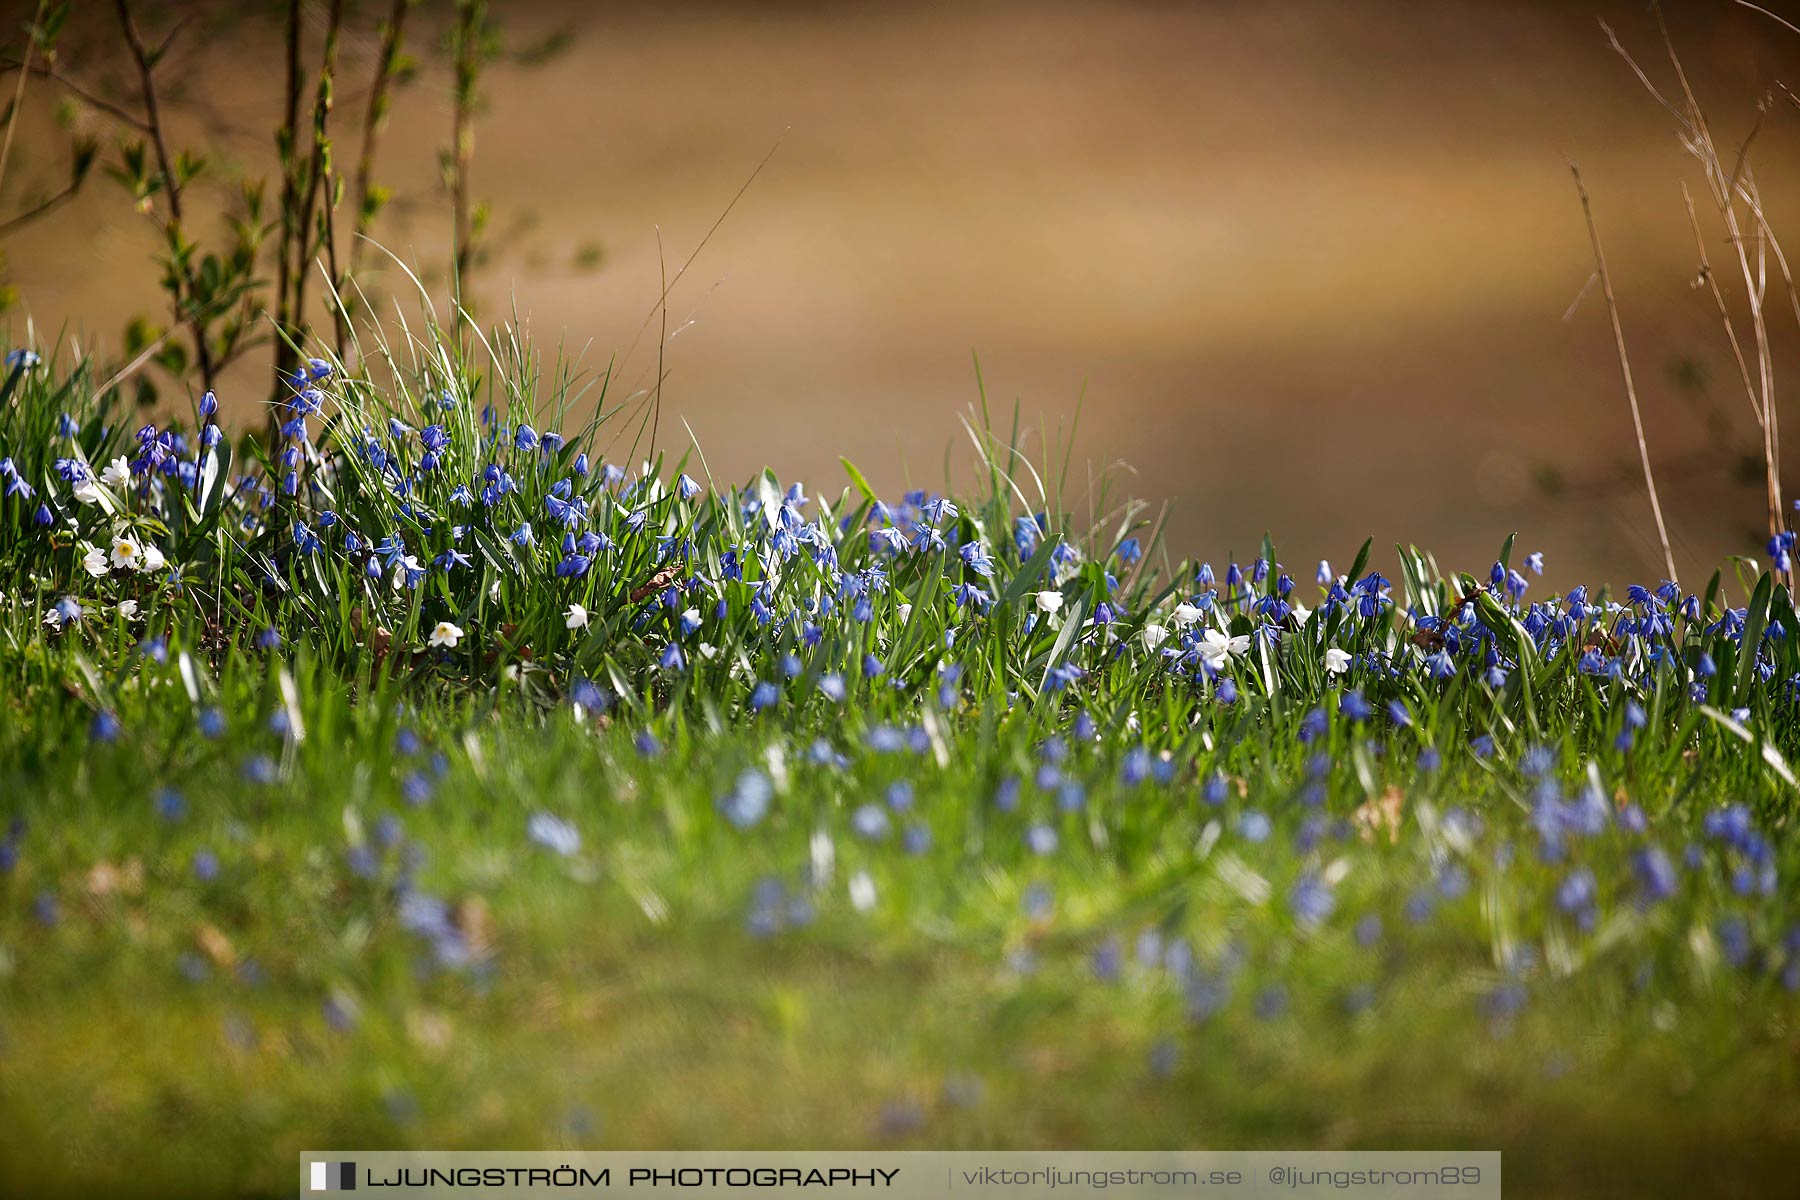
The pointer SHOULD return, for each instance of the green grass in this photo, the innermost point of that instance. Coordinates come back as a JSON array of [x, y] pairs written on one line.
[[280, 875]]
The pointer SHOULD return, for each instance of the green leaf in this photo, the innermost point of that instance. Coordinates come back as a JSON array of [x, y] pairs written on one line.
[[216, 469], [1071, 627], [1362, 560], [862, 484], [1028, 574], [1755, 621]]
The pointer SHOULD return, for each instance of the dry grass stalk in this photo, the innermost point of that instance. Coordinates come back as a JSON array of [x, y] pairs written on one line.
[[1637, 417]]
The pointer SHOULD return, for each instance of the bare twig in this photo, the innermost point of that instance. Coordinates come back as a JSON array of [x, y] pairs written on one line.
[[374, 120], [171, 186], [470, 15], [42, 208], [662, 345], [131, 368], [1723, 190], [287, 143], [669, 284], [1712, 282], [1637, 418], [1725, 187], [318, 167], [12, 119], [1592, 279], [81, 93], [1779, 20]]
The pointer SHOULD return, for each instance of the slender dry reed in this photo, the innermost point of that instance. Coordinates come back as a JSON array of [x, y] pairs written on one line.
[[1637, 417], [1728, 187]]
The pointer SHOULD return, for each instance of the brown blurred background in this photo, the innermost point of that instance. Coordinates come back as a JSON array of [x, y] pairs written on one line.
[[1307, 261]]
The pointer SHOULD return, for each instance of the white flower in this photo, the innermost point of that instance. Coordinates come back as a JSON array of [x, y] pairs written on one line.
[[862, 891], [691, 616], [1302, 614], [1154, 636], [446, 635], [64, 613], [905, 612], [1050, 602], [117, 474], [407, 567], [128, 609], [153, 559], [127, 552], [576, 617], [824, 857], [1185, 615], [87, 492], [1217, 648], [1337, 661], [93, 560], [708, 650]]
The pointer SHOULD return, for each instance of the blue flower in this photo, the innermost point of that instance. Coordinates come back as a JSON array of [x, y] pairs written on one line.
[[206, 866], [870, 822], [1655, 873], [748, 801], [1312, 900], [1253, 826], [553, 834], [977, 559]]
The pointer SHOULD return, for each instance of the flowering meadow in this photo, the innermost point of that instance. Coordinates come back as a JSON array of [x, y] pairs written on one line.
[[446, 774]]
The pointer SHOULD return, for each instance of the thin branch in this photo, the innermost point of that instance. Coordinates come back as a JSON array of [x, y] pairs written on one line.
[[471, 15], [669, 285], [1644, 79], [1592, 279], [1722, 187], [78, 91], [662, 346], [1712, 281], [12, 118], [287, 143], [171, 187], [131, 368], [1779, 20], [318, 167], [1637, 418], [42, 209], [374, 120], [1697, 137]]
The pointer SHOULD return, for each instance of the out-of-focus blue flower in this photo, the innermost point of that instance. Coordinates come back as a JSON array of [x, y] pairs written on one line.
[[748, 800], [554, 833]]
